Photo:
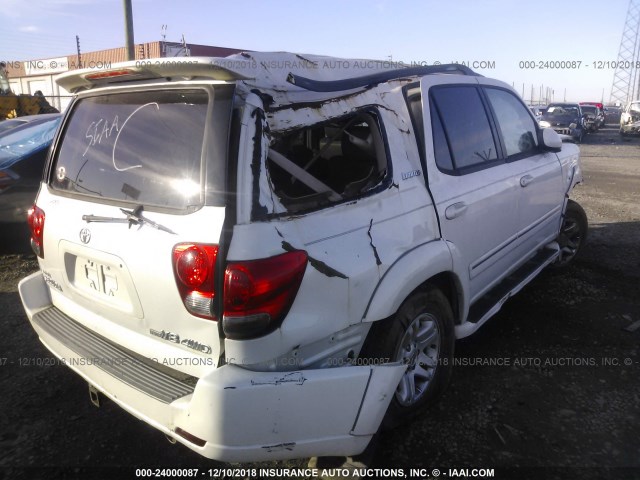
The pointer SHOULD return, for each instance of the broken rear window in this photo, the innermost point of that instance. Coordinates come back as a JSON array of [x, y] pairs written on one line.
[[328, 162]]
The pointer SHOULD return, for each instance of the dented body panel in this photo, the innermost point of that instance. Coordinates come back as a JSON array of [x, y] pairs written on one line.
[[343, 187], [283, 414]]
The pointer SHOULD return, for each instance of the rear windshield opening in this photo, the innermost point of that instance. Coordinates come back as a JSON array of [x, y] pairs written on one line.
[[138, 147]]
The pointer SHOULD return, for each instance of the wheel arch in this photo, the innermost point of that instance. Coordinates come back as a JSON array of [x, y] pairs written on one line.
[[427, 264], [449, 285]]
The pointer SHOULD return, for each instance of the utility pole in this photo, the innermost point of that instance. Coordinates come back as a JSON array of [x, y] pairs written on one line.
[[78, 49], [128, 22], [164, 40], [532, 94], [184, 47]]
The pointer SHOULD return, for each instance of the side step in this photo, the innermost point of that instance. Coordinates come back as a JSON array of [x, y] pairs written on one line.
[[489, 304]]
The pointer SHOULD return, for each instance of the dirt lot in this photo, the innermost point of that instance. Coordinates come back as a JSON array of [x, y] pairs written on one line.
[[549, 388]]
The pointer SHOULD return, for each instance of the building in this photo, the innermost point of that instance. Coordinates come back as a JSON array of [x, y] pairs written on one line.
[[29, 76]]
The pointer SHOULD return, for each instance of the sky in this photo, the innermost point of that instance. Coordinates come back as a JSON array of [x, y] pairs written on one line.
[[568, 48]]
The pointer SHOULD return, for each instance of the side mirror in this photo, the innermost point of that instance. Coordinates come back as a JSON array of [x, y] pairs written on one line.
[[551, 140]]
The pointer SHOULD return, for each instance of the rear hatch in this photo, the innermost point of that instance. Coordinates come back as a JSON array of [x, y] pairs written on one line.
[[134, 206]]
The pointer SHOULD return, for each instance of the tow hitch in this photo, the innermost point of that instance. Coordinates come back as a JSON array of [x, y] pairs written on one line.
[[94, 396]]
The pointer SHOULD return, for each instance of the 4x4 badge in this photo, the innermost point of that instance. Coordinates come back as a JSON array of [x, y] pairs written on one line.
[[85, 235]]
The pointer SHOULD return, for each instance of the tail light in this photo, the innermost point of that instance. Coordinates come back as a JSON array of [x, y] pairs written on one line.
[[35, 219], [259, 293], [193, 268]]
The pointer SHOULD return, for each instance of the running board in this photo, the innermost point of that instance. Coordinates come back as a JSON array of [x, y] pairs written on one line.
[[489, 304]]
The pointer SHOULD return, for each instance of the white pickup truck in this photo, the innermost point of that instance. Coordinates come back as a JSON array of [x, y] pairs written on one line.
[[271, 255]]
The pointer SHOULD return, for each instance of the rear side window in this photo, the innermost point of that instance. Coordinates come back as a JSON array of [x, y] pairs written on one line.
[[516, 125], [329, 162], [440, 147], [138, 147], [466, 126]]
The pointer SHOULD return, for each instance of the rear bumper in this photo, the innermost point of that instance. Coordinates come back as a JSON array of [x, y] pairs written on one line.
[[240, 415]]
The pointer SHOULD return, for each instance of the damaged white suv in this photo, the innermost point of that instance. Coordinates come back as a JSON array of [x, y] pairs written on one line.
[[267, 256]]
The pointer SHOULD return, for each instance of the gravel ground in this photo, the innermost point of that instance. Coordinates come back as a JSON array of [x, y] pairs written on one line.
[[549, 388]]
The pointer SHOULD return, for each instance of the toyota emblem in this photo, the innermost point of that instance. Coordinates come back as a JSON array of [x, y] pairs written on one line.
[[85, 235]]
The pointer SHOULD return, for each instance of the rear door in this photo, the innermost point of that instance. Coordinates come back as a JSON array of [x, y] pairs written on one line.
[[137, 180]]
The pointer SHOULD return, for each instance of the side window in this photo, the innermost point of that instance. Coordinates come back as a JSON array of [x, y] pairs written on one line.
[[414, 102], [516, 125], [466, 125], [326, 163], [440, 147]]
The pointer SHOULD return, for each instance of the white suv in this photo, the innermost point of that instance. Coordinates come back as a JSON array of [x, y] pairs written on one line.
[[267, 256]]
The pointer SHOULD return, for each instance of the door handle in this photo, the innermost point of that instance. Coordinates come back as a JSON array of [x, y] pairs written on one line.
[[526, 180], [455, 210]]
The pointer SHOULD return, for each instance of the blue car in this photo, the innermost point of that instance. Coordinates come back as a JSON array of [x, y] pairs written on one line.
[[23, 150]]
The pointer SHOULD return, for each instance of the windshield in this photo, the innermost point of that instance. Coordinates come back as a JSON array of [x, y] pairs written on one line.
[[588, 109], [562, 111], [143, 148]]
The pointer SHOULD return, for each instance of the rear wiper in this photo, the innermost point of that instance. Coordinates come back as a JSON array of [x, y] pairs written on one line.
[[133, 217]]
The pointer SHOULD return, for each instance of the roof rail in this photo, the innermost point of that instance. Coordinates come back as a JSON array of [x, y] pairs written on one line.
[[375, 78]]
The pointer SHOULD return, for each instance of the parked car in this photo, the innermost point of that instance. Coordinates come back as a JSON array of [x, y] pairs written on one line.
[[265, 260], [6, 125], [630, 119], [612, 115], [599, 112], [537, 111], [602, 117], [23, 149], [565, 119], [592, 117]]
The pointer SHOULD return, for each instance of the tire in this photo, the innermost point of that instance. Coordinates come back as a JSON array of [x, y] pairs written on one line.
[[425, 313], [573, 234]]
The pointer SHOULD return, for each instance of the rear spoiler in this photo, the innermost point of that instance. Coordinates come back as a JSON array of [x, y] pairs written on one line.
[[186, 68]]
